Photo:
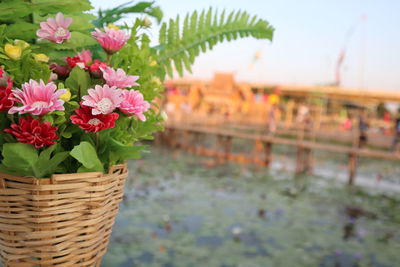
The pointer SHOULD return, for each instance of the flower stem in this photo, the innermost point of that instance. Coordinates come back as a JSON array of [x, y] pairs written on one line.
[[109, 57]]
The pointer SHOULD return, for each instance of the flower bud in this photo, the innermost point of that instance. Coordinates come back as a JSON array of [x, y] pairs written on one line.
[[41, 58], [146, 22], [13, 51], [112, 26], [67, 96]]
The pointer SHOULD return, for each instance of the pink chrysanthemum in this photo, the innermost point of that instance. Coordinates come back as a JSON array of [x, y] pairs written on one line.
[[55, 29], [111, 40], [134, 104], [103, 99], [118, 78], [37, 98]]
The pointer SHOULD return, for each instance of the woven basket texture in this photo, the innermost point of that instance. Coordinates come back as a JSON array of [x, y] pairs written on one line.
[[65, 220]]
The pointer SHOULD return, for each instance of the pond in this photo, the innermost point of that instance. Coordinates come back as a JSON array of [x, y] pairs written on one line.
[[178, 211]]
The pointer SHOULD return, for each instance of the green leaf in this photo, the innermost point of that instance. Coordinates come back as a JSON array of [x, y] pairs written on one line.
[[79, 39], [47, 165], [78, 81], [20, 159], [22, 30], [86, 154], [121, 152], [81, 22]]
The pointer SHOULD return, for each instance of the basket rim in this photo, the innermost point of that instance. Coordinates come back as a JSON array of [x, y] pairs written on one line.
[[35, 180]]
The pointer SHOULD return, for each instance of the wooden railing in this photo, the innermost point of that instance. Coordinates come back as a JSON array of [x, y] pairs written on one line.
[[185, 137]]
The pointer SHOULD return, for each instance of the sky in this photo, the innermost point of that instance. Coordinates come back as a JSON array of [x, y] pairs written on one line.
[[309, 36]]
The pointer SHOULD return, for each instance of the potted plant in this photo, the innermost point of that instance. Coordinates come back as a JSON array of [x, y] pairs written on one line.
[[77, 94]]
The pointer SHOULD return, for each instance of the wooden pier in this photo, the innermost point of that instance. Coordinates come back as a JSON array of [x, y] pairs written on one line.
[[186, 138]]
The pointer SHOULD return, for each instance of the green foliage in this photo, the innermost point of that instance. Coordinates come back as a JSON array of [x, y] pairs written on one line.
[[78, 82], [121, 152], [26, 67], [48, 164], [23, 160], [19, 159], [23, 17], [203, 32], [115, 14], [86, 154]]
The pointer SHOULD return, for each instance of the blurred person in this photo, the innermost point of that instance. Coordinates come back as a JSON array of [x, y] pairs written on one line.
[[302, 113], [273, 112], [273, 119], [348, 124], [387, 119], [363, 126]]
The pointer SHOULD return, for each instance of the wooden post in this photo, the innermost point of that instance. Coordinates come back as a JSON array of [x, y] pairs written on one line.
[[171, 138], [196, 142], [220, 147], [227, 147], [224, 144], [299, 160], [307, 159], [258, 151], [289, 114], [352, 167], [186, 140], [268, 153]]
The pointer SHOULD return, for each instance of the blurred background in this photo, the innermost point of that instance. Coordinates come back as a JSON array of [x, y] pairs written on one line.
[[282, 153]]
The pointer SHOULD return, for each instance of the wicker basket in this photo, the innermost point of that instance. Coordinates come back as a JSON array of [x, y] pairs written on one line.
[[65, 220]]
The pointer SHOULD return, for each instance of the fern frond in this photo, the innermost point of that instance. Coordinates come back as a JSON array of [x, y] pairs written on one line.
[[115, 14], [202, 32]]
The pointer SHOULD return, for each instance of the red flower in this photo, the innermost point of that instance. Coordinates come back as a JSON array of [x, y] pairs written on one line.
[[72, 61], [29, 130], [93, 123], [95, 68], [61, 71], [6, 84], [83, 59]]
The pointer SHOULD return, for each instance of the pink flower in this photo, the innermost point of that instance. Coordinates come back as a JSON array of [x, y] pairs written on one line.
[[134, 104], [103, 100], [111, 40], [55, 30], [37, 98], [119, 78]]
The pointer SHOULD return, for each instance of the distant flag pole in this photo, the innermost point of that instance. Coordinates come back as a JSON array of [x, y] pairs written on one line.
[[338, 77], [342, 56]]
